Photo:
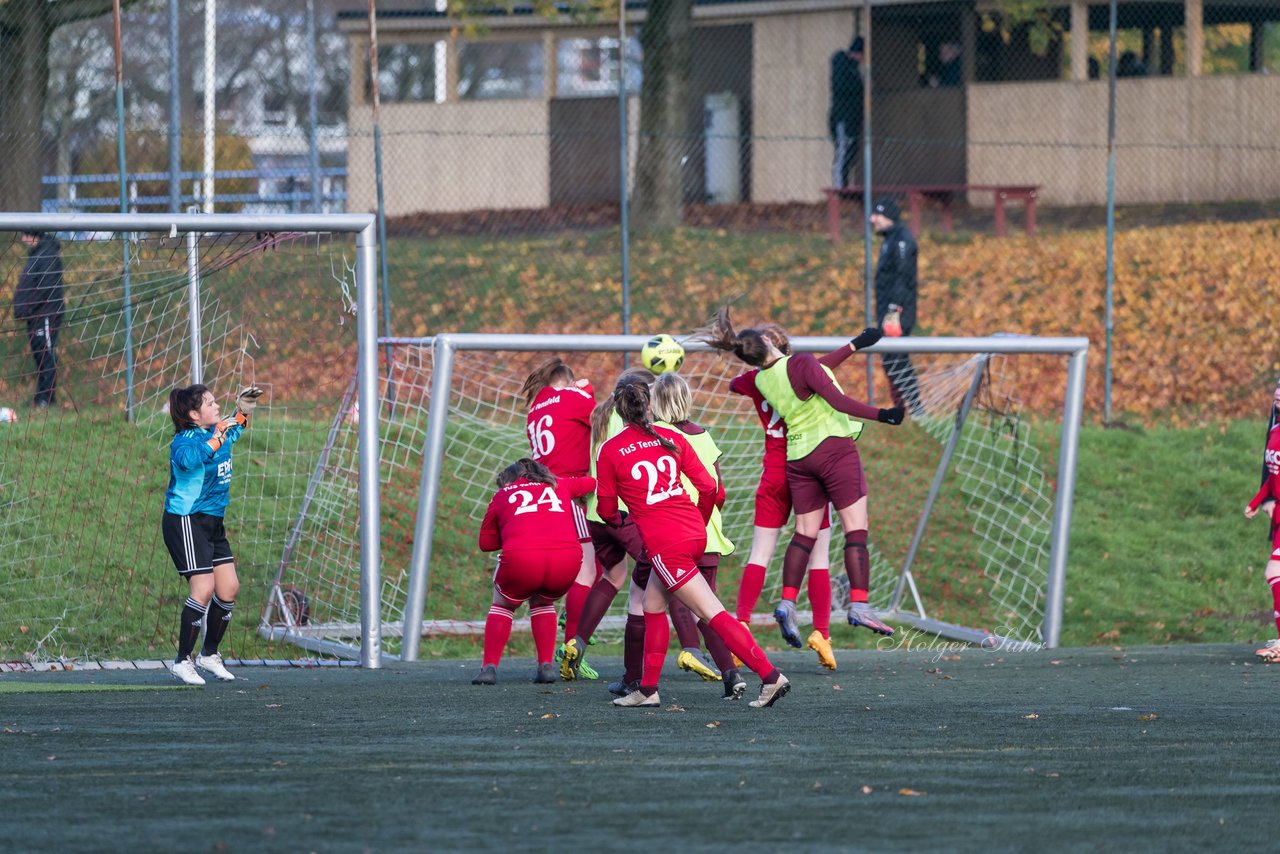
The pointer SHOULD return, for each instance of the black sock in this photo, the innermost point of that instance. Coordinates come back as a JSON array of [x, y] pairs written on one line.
[[189, 627], [219, 619]]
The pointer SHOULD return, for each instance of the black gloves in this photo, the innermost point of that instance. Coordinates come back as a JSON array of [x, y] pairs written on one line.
[[866, 338], [891, 416]]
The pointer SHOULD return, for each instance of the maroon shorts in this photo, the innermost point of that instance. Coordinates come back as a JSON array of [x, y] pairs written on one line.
[[677, 563], [613, 545], [831, 473], [521, 575], [773, 500]]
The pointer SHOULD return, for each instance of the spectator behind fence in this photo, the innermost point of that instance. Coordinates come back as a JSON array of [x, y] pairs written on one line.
[[38, 301], [895, 288], [844, 119], [949, 71], [1130, 66]]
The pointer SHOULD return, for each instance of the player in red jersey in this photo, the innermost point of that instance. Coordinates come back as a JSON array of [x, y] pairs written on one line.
[[642, 466], [823, 466], [530, 519], [613, 545], [1265, 501], [559, 431], [773, 509]]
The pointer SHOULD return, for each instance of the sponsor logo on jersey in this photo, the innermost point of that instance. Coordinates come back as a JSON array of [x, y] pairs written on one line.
[[550, 400], [636, 446]]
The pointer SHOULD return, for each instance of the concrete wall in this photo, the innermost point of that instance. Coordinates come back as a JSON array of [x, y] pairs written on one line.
[[791, 56], [456, 156], [1178, 139]]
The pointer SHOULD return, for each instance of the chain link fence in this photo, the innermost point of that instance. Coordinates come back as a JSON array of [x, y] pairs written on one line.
[[499, 153]]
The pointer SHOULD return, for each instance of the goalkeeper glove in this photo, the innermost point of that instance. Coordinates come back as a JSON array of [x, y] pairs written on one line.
[[248, 399], [866, 338], [891, 416]]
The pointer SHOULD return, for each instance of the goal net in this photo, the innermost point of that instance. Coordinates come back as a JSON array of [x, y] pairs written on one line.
[[969, 501], [153, 302]]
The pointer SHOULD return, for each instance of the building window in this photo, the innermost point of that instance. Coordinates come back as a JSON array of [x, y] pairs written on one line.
[[588, 67], [406, 72], [491, 70]]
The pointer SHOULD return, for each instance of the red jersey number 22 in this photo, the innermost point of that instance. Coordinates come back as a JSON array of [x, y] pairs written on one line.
[[645, 470]]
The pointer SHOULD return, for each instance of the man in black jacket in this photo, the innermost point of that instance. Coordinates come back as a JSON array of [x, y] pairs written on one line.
[[844, 119], [895, 286], [38, 301]]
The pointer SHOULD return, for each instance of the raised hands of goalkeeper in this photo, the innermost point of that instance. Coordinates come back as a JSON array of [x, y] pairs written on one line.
[[246, 400], [866, 338]]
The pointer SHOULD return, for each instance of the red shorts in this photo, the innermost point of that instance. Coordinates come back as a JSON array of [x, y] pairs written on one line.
[[613, 545], [580, 523], [677, 563], [521, 575], [831, 473], [773, 499], [1275, 536]]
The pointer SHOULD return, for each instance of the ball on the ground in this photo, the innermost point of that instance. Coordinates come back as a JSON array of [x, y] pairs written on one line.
[[7, 415], [662, 354]]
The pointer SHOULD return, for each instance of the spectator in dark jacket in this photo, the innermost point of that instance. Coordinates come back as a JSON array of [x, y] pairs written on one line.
[[844, 119], [38, 301], [895, 285]]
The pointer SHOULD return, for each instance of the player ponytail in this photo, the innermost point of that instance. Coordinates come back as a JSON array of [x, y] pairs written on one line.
[[672, 400], [526, 469], [550, 372], [182, 402], [600, 415], [632, 403], [749, 345]]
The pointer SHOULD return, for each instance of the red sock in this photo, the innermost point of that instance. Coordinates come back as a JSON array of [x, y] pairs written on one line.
[[749, 590], [1275, 599], [657, 636], [542, 622], [820, 600], [573, 602], [497, 631], [740, 643]]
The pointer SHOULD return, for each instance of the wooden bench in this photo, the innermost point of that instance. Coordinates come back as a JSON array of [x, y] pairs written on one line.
[[942, 194]]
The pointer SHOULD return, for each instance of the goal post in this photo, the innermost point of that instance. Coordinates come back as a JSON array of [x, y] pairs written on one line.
[[1022, 560], [167, 294]]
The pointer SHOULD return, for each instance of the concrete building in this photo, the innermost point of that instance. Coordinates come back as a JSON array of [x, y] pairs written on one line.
[[524, 115]]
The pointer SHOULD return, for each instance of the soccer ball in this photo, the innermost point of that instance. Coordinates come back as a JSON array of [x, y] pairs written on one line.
[[662, 354]]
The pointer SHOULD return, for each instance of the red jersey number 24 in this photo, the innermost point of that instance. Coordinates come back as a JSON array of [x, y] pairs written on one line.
[[528, 504]]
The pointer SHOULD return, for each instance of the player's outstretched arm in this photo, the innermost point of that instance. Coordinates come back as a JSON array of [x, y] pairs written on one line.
[[246, 402]]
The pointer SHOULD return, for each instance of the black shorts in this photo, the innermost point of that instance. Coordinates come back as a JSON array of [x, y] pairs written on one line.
[[197, 543]]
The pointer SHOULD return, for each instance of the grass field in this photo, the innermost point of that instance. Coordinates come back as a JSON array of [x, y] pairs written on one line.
[[1135, 749]]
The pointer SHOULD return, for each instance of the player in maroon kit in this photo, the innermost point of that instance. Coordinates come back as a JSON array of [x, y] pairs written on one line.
[[642, 466], [773, 508], [530, 518], [1265, 501], [823, 466], [559, 431]]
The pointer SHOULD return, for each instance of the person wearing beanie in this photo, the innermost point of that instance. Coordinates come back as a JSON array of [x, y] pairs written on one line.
[[895, 289], [844, 119]]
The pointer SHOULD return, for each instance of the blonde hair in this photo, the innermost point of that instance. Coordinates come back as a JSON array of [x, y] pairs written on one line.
[[672, 400]]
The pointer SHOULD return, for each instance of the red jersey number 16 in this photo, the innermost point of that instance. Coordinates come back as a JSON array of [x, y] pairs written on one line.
[[541, 440]]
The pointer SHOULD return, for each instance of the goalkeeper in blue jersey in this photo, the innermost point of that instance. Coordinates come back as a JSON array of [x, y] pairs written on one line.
[[194, 504]]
